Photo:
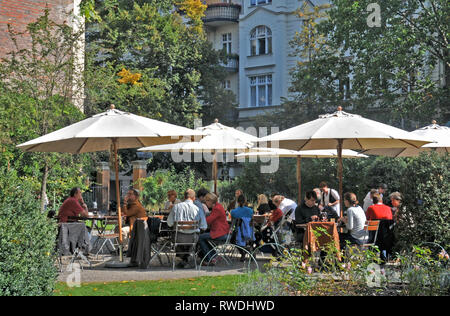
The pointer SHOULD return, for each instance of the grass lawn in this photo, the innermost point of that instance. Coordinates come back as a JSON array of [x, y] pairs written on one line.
[[202, 286]]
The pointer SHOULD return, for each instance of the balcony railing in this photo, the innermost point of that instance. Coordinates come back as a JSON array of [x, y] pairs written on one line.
[[221, 13], [232, 64]]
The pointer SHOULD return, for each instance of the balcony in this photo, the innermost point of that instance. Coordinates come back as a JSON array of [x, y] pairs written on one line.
[[218, 14], [232, 64]]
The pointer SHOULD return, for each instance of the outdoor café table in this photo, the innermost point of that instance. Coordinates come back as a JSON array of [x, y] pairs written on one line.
[[105, 220], [311, 243], [259, 219]]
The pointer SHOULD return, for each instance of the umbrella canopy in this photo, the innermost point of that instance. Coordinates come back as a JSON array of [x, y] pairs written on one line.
[[343, 130], [286, 153], [439, 134], [355, 132], [219, 138], [112, 129], [95, 134]]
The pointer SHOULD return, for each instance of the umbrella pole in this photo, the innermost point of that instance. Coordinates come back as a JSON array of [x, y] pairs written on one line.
[[339, 153], [119, 210], [215, 171], [299, 179]]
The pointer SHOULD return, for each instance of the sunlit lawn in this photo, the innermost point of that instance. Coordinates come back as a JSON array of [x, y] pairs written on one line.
[[202, 286]]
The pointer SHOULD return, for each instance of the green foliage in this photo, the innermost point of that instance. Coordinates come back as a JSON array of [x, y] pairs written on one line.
[[173, 60], [426, 205], [160, 182], [27, 240], [424, 271]]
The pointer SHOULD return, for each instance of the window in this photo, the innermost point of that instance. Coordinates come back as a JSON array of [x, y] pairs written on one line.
[[226, 84], [256, 2], [226, 42], [261, 90], [260, 41]]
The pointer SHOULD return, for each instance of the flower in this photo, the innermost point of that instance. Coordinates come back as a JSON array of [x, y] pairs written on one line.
[[309, 270]]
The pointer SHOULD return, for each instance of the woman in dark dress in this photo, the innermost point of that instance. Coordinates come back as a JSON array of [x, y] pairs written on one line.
[[263, 205]]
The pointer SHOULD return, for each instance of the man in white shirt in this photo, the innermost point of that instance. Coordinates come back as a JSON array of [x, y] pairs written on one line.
[[330, 197], [285, 205], [187, 211]]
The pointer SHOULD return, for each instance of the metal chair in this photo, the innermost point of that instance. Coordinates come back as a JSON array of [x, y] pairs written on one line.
[[226, 254], [278, 246], [185, 228]]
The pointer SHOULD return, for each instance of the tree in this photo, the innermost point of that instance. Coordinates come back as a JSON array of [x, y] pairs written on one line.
[[388, 72], [37, 85]]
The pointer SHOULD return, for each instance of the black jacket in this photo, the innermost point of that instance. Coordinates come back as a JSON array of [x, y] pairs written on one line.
[[303, 213]]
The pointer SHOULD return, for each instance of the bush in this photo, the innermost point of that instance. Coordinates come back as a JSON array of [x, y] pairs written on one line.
[[155, 187], [426, 203], [27, 240]]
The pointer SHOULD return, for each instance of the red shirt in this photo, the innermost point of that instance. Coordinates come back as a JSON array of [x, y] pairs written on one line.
[[275, 216], [378, 211], [70, 207], [217, 222]]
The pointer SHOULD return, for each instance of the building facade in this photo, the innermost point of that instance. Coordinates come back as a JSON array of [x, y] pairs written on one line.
[[256, 34], [20, 13]]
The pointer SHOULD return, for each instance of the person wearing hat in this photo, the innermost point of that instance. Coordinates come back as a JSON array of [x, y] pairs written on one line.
[[368, 200]]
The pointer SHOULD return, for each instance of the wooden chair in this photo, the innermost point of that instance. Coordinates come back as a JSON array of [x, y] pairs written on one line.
[[371, 227]]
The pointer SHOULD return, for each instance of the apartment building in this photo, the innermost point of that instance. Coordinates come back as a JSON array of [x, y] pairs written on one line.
[[256, 34]]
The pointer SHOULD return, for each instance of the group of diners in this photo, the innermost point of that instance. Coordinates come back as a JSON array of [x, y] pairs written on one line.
[[319, 204]]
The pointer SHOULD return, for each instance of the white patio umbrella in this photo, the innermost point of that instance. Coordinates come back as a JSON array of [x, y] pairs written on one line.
[[343, 130], [219, 139], [286, 153], [112, 129], [439, 134]]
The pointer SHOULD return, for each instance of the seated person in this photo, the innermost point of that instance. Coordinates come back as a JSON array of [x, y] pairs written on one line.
[[218, 224], [73, 206], [171, 201], [246, 213], [132, 209], [354, 222], [378, 210], [306, 212], [396, 202], [233, 204], [242, 211], [200, 200], [186, 211], [274, 218], [263, 205]]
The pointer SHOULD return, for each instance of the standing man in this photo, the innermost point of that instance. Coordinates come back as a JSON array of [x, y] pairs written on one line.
[[330, 198], [187, 211], [73, 206]]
